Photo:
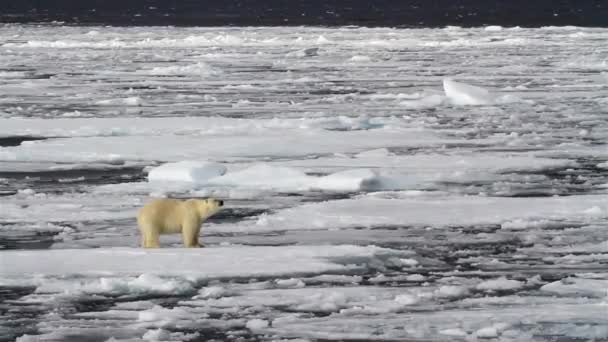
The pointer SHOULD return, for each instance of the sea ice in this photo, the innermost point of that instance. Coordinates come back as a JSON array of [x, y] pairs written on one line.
[[186, 171], [205, 263], [466, 94], [499, 284], [257, 324]]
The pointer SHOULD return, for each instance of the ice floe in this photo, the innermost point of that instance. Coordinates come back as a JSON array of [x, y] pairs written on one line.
[[430, 210], [186, 171], [195, 263]]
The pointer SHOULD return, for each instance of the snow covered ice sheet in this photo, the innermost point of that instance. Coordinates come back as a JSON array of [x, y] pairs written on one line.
[[380, 184]]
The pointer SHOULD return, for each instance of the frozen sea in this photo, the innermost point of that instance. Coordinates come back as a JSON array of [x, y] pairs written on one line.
[[380, 184]]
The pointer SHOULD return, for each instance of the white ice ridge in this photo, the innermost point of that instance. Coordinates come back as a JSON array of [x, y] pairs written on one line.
[[201, 263]]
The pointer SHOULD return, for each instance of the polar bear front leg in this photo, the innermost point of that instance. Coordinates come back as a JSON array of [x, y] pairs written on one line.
[[190, 230], [150, 239]]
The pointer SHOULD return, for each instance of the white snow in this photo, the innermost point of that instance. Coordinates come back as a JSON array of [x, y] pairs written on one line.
[[186, 171]]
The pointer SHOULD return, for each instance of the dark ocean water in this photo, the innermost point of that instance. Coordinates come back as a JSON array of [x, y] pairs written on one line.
[[408, 13]]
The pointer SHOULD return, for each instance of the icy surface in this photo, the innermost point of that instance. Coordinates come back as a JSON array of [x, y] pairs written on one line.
[[466, 94], [186, 171], [379, 184]]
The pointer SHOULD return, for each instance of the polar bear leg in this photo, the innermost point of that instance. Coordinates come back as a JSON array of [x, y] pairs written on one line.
[[190, 232], [149, 235], [150, 240]]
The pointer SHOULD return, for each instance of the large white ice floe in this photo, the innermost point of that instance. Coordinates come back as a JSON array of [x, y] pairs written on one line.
[[196, 263]]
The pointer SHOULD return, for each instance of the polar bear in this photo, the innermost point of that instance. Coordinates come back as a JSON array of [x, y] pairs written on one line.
[[170, 216]]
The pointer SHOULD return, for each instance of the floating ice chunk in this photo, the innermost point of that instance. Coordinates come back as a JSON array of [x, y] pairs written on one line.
[[525, 224], [163, 315], [409, 262], [453, 332], [156, 335], [407, 299], [594, 211], [379, 152], [200, 68], [603, 165], [349, 180], [309, 52], [501, 283], [257, 324], [360, 59], [211, 292], [415, 277], [487, 332], [578, 287], [466, 94], [493, 28], [449, 291], [323, 40], [145, 284], [186, 171], [293, 283], [26, 192], [128, 101], [324, 302]]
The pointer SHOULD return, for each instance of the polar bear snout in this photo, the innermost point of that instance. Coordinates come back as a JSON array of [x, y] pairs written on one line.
[[220, 203]]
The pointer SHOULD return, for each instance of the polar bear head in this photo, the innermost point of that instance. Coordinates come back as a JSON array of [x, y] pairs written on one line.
[[208, 207]]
